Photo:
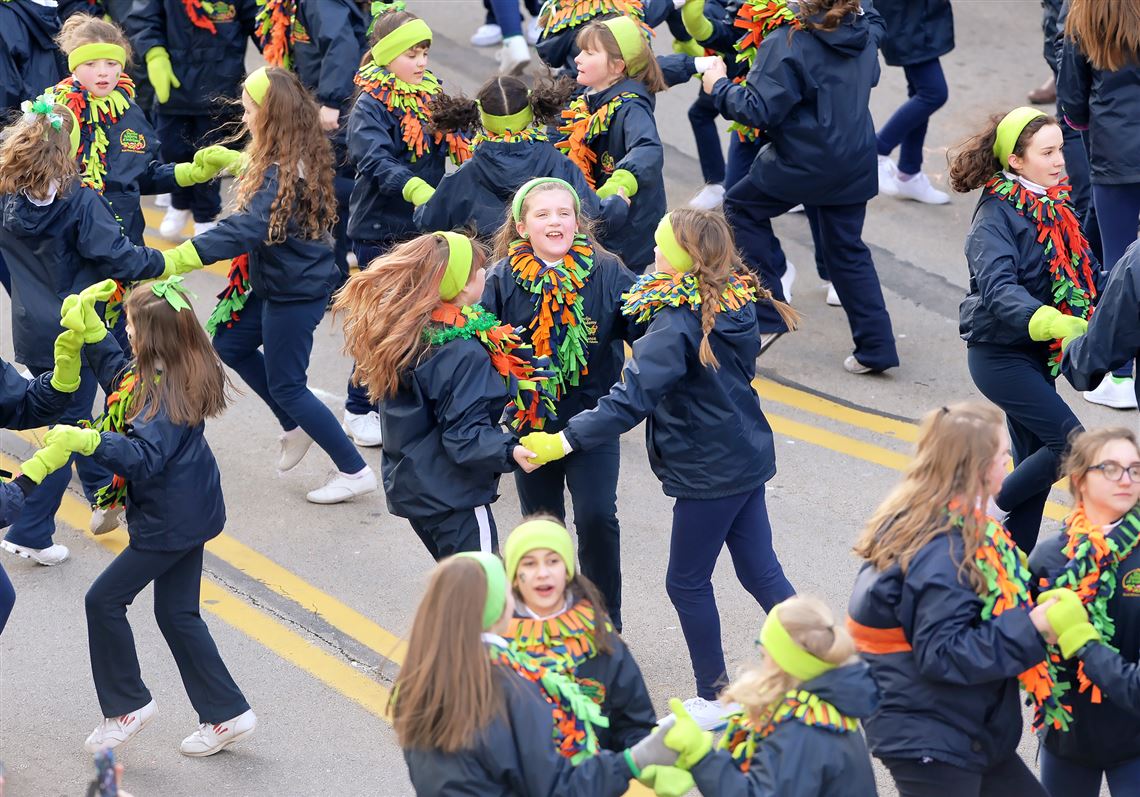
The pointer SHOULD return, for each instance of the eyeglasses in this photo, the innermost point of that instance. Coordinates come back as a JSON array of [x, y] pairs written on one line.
[[1114, 470]]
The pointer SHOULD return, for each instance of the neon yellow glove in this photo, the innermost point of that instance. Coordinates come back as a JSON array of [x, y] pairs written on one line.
[[666, 781], [1066, 342], [689, 47], [1068, 326], [1049, 323], [160, 73], [547, 446], [182, 259], [72, 438], [693, 17], [187, 174], [686, 737], [417, 191], [619, 179], [47, 460], [224, 158], [81, 309], [1069, 620], [65, 373]]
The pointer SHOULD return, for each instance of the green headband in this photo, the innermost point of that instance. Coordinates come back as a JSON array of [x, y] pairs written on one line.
[[458, 270], [788, 654], [400, 40], [530, 185], [535, 534], [629, 41], [1009, 130], [496, 585], [257, 84], [502, 124], [666, 240], [73, 133], [94, 52]]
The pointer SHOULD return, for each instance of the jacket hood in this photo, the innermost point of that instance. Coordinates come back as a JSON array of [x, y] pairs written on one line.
[[849, 39], [627, 85], [41, 21], [505, 165], [23, 218], [850, 688]]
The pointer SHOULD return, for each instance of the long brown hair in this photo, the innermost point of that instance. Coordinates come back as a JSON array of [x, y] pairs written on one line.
[[972, 162], [388, 306], [286, 132], [446, 691], [597, 36], [707, 237], [508, 234], [833, 11], [177, 369], [956, 446], [1084, 445], [1108, 31], [81, 29], [34, 155]]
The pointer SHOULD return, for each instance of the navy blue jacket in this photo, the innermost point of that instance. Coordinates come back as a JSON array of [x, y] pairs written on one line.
[[559, 49], [1107, 104], [443, 446], [210, 66], [1113, 336], [1117, 677], [706, 434], [601, 302], [721, 14], [515, 757], [477, 195], [810, 94], [953, 696], [797, 760], [1106, 734], [56, 250], [328, 43], [294, 270], [12, 495], [174, 489], [29, 57], [917, 30]]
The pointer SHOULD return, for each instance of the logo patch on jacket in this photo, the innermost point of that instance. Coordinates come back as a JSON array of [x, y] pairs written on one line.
[[1131, 583], [607, 163], [220, 11], [300, 35], [132, 141]]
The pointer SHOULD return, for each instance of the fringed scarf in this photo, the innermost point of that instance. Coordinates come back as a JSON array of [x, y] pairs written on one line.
[[1067, 252], [410, 103], [560, 15], [741, 738], [95, 114], [114, 419], [273, 31], [525, 375], [561, 643], [758, 18], [582, 128], [198, 11], [232, 299], [527, 135], [653, 291]]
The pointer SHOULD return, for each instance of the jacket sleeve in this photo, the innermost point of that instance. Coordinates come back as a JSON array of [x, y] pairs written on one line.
[[27, 404], [1074, 83], [495, 289], [1113, 336], [628, 707], [240, 232], [644, 156], [773, 88], [143, 451], [941, 617], [465, 385], [108, 362], [1117, 678], [145, 26], [370, 147], [558, 50], [100, 239], [609, 214], [340, 51], [677, 68], [13, 48], [993, 253], [724, 34], [158, 178], [782, 766], [12, 495], [446, 206]]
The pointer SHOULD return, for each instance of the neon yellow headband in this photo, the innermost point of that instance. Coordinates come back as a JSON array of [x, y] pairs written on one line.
[[787, 653], [458, 270], [94, 52], [629, 40], [536, 534], [1009, 130], [496, 585], [400, 40], [502, 124], [666, 240], [73, 132], [530, 185], [257, 85]]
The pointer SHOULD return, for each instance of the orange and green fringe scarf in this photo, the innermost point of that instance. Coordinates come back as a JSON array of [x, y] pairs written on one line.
[[561, 643], [232, 299], [653, 291], [582, 128], [758, 18], [560, 15], [741, 738], [575, 715], [526, 376], [114, 419], [1007, 587], [198, 11], [1067, 252], [410, 103], [273, 31], [527, 135], [558, 329], [1091, 572]]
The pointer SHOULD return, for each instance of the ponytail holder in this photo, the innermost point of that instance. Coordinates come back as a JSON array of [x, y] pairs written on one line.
[[378, 7], [45, 106], [666, 240], [173, 291], [458, 270], [496, 601], [530, 185], [96, 52], [506, 124], [1009, 129], [630, 42], [400, 40], [784, 650], [257, 85]]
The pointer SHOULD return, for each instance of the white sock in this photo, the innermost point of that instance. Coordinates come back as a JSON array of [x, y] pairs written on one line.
[[360, 474], [296, 431], [904, 177]]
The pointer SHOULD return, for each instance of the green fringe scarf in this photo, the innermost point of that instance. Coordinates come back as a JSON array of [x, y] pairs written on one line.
[[741, 739]]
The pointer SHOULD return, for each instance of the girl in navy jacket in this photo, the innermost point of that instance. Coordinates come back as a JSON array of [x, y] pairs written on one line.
[[1033, 280], [152, 435], [708, 440], [29, 57], [941, 611], [550, 262], [563, 20]]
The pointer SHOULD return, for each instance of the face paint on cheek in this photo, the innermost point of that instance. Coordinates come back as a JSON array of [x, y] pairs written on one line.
[[522, 577]]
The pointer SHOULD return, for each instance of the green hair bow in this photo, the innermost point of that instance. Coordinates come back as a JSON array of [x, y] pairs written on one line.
[[174, 292], [43, 105]]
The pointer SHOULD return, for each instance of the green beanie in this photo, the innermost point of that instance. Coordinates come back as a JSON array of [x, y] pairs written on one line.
[[535, 534]]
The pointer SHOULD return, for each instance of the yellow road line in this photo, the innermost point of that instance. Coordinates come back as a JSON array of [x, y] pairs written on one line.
[[818, 405]]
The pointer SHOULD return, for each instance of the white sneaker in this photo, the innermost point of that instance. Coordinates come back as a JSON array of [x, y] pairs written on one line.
[[767, 339], [364, 430], [104, 520], [888, 177], [213, 738], [710, 715], [919, 189], [832, 297], [204, 226], [514, 57], [1118, 392], [52, 555], [162, 200], [797, 209], [710, 197], [294, 445], [487, 36], [113, 731], [853, 366], [532, 32], [344, 487], [173, 223], [787, 279]]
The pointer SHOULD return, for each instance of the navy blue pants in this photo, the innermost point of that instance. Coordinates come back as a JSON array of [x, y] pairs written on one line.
[[449, 533], [700, 529], [181, 136], [177, 577], [285, 331], [356, 396], [702, 118], [591, 476], [7, 598], [926, 92], [1040, 424], [928, 778], [1117, 215], [1067, 778], [343, 180], [740, 157]]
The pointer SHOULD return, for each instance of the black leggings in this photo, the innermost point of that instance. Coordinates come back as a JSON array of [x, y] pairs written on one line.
[[929, 778]]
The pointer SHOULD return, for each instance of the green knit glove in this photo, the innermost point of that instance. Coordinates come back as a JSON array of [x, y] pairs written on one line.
[[686, 737], [47, 460], [619, 179], [79, 312], [1041, 321], [223, 158], [1069, 620], [688, 47], [417, 191], [72, 438], [160, 73], [693, 17], [65, 373], [188, 174], [548, 446], [666, 781], [182, 259]]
